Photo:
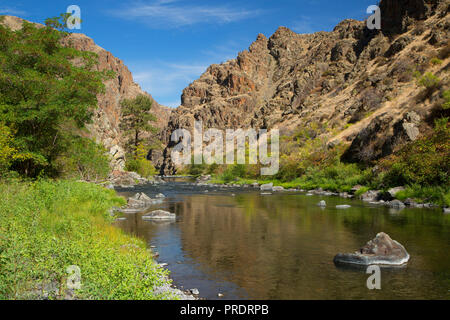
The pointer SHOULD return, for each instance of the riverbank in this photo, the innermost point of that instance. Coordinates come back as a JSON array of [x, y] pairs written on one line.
[[409, 196], [47, 226]]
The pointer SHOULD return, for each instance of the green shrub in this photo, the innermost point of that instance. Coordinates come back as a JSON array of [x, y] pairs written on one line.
[[84, 159], [436, 61], [424, 161], [139, 163]]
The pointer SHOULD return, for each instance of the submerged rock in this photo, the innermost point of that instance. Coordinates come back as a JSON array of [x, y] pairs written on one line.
[[396, 204], [159, 215], [343, 206], [446, 210], [381, 250], [160, 196], [322, 203]]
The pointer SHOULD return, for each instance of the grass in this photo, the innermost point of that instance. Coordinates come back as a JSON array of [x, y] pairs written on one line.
[[424, 194], [46, 226]]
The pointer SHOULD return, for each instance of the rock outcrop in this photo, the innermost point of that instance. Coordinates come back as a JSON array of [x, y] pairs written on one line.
[[107, 115], [380, 250], [356, 81]]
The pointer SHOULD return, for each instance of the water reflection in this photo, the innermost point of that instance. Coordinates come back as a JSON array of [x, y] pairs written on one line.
[[282, 246]]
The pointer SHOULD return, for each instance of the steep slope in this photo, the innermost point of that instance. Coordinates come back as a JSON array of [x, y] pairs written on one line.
[[105, 127], [356, 81]]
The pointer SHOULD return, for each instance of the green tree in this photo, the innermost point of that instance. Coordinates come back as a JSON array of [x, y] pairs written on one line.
[[136, 119], [7, 151], [43, 94]]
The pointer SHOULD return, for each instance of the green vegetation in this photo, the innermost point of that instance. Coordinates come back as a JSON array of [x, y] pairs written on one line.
[[436, 61], [47, 226], [308, 163], [44, 98], [136, 121], [139, 163]]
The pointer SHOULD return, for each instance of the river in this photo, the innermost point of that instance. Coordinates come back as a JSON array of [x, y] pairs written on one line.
[[245, 245]]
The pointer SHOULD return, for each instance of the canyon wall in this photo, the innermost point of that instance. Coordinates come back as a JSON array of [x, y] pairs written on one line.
[[356, 81]]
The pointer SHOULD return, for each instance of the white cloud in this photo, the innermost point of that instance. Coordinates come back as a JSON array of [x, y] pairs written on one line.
[[11, 11], [165, 81], [172, 14], [304, 25]]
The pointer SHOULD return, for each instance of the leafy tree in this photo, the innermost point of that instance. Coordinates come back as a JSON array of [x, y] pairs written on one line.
[[136, 119], [43, 94], [7, 151]]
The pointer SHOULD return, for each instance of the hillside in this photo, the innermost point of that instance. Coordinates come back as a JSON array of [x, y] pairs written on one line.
[[356, 82]]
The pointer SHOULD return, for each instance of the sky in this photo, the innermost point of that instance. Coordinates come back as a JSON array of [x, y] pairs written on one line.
[[167, 44]]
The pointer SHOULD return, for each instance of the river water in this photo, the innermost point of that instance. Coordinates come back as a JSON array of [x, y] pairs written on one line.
[[281, 246]]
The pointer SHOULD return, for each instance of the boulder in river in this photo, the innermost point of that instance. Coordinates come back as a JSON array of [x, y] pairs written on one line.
[[159, 215], [396, 204], [160, 196], [381, 250], [322, 203], [371, 196], [277, 188], [267, 187]]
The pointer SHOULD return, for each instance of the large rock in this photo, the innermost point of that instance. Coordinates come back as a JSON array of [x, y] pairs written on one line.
[[267, 187], [380, 250], [371, 196], [396, 204], [159, 215]]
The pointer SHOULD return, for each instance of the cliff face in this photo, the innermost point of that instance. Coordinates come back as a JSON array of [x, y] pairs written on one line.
[[356, 80], [107, 116]]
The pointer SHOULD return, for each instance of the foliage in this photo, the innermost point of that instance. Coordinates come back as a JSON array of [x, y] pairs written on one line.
[[426, 194], [136, 119], [47, 226], [7, 151], [84, 159], [446, 104], [139, 163], [43, 94], [425, 161], [436, 61]]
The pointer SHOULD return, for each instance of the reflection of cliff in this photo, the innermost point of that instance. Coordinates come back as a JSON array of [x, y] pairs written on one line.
[[280, 247]]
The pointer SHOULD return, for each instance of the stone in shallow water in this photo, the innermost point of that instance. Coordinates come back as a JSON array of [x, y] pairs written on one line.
[[322, 203], [380, 250], [396, 204], [159, 215], [344, 206], [277, 189]]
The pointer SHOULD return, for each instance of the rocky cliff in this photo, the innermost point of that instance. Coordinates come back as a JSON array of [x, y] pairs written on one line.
[[357, 81], [105, 126]]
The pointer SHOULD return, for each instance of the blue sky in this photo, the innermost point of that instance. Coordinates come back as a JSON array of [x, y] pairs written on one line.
[[169, 43]]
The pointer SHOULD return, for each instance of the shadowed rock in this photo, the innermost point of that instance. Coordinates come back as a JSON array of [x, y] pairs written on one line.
[[381, 250]]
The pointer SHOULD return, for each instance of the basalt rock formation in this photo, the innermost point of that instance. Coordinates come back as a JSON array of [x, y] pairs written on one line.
[[107, 116], [357, 81]]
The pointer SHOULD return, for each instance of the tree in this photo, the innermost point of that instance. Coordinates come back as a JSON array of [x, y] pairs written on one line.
[[136, 119], [43, 94]]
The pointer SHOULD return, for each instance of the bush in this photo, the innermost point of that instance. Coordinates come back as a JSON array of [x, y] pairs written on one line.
[[84, 159], [139, 163], [424, 162]]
